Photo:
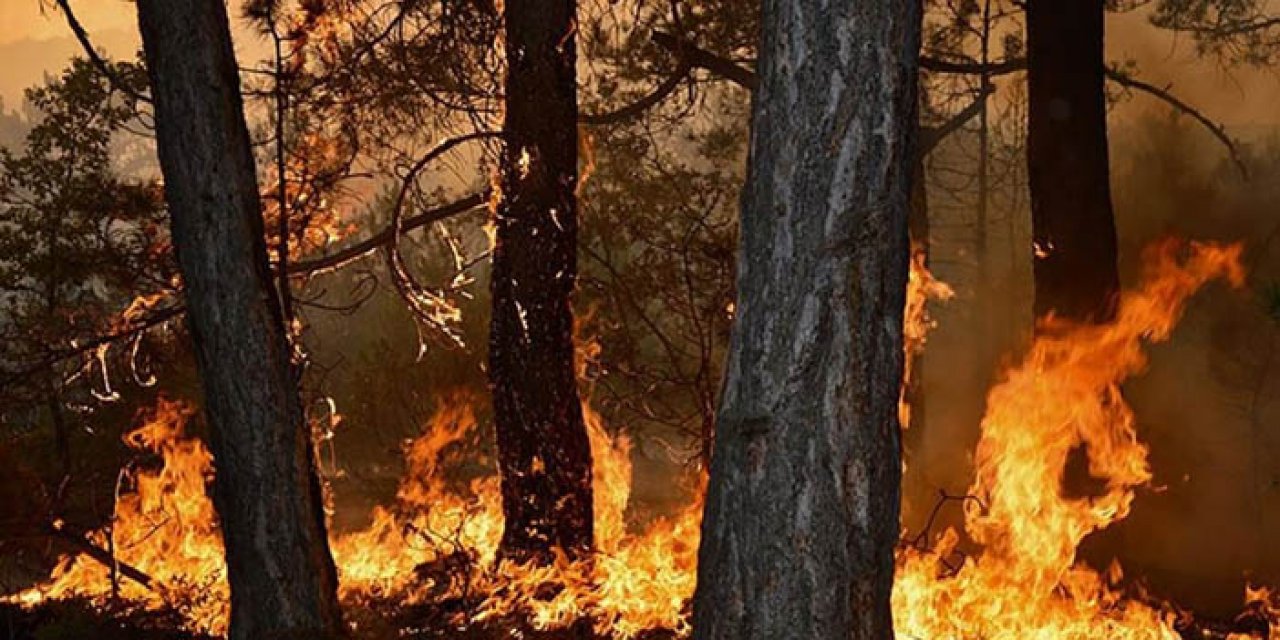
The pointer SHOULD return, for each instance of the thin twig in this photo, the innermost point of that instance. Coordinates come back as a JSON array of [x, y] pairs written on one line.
[[95, 58], [1164, 95]]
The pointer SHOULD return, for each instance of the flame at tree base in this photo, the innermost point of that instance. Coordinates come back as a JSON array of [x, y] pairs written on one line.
[[1065, 395], [438, 544], [434, 545]]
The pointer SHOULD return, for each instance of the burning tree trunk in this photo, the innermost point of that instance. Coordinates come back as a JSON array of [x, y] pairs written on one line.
[[543, 452], [283, 581], [1069, 173], [802, 506]]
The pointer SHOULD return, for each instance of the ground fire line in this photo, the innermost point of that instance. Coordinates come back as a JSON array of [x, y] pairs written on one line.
[[438, 544]]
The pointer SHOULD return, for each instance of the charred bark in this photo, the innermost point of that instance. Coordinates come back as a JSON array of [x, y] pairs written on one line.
[[61, 431], [1072, 220], [544, 455], [802, 506], [283, 580]]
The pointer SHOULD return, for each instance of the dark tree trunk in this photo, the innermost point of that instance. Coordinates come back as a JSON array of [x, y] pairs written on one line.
[[283, 581], [802, 505], [1072, 221], [61, 429], [918, 217], [544, 455]]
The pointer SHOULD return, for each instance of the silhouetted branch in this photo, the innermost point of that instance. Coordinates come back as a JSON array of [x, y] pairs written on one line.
[[154, 320], [699, 58], [1003, 67], [1225, 30], [1164, 95], [95, 59], [98, 554], [930, 137], [298, 269], [363, 248], [635, 109]]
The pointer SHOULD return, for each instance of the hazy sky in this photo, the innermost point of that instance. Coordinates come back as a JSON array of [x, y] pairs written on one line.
[[33, 43], [22, 19]]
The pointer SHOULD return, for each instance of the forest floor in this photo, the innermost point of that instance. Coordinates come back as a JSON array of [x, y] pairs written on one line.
[[81, 620]]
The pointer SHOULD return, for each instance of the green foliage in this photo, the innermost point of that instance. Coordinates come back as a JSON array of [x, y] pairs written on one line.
[[77, 241], [1270, 299], [1237, 31]]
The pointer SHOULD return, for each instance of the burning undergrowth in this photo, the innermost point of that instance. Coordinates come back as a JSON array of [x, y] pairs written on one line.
[[430, 556], [427, 564], [1064, 397]]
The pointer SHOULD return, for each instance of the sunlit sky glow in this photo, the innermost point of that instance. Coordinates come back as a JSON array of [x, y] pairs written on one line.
[[36, 41]]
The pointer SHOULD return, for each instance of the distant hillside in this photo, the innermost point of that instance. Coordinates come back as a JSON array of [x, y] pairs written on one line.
[[29, 59]]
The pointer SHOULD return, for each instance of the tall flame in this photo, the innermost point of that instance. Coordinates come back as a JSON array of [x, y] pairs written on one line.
[[439, 539], [1025, 581], [165, 527]]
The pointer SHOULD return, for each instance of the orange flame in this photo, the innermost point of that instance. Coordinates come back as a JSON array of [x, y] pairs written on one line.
[[1025, 581], [440, 540], [922, 287], [165, 527]]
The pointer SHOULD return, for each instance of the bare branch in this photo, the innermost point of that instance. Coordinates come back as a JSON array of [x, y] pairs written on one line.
[[425, 304], [699, 58], [1001, 68], [635, 109], [305, 268], [93, 551], [930, 137], [363, 248], [1165, 96], [95, 58]]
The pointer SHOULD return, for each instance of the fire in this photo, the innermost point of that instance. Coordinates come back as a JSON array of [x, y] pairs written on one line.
[[165, 527], [922, 287], [438, 541], [635, 581], [1025, 580]]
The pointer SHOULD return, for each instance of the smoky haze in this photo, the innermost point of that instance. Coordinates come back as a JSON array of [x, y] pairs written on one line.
[[1205, 405]]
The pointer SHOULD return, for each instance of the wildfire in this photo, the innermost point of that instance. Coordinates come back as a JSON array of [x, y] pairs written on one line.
[[1025, 581], [922, 287], [164, 527], [438, 542], [636, 581]]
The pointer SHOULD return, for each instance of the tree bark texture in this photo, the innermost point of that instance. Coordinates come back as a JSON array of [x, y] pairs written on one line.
[[802, 506], [283, 580], [1073, 224], [544, 455]]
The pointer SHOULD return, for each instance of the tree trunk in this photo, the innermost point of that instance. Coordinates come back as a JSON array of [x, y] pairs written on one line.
[[802, 506], [283, 581], [544, 455], [1072, 221], [61, 430]]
